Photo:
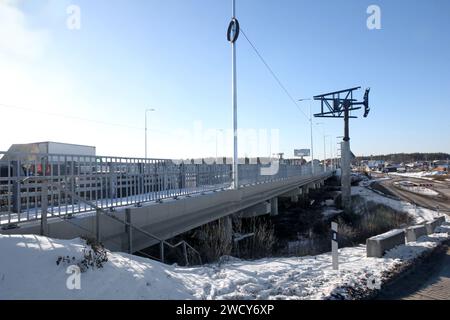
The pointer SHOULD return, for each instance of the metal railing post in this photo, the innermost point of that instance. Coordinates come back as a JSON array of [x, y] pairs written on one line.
[[44, 208], [97, 225], [185, 253], [129, 230], [161, 250]]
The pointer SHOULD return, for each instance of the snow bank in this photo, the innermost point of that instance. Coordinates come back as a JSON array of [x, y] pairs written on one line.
[[29, 271], [420, 214], [421, 174]]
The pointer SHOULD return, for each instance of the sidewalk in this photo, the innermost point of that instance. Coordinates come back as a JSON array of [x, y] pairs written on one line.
[[430, 281]]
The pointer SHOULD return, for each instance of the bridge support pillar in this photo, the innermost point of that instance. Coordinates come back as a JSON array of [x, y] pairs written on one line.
[[228, 225], [294, 199], [259, 209], [305, 191], [274, 206]]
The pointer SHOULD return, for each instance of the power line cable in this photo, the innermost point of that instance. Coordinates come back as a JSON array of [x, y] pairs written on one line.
[[75, 117], [277, 79]]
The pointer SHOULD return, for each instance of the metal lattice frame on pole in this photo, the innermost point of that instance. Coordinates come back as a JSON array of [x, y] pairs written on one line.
[[339, 104]]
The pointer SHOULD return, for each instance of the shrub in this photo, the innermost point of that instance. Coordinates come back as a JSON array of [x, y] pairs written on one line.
[[94, 256]]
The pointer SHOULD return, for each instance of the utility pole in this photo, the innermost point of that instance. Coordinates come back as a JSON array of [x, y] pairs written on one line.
[[232, 36], [339, 105]]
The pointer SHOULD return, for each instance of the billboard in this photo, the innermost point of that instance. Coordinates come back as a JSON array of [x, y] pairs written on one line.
[[302, 152]]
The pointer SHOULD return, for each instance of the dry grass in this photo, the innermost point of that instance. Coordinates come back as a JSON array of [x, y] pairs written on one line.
[[215, 240], [260, 244]]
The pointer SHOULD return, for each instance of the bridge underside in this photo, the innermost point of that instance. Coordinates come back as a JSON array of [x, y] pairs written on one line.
[[172, 217]]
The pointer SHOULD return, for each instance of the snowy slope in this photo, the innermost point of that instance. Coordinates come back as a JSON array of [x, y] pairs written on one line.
[[29, 271], [420, 214]]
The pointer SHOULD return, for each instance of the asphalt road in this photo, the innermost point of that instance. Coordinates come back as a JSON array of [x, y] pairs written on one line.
[[431, 202]]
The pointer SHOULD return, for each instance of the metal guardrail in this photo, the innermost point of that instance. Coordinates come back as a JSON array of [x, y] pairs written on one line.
[[109, 182]]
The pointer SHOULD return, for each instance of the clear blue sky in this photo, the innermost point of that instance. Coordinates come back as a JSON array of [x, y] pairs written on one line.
[[173, 55]]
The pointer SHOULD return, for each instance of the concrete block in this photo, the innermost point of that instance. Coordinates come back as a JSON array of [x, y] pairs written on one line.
[[378, 245], [434, 224], [415, 232], [441, 220]]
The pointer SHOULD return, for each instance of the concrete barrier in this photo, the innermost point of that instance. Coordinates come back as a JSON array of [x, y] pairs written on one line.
[[432, 225], [441, 219], [378, 245], [415, 232]]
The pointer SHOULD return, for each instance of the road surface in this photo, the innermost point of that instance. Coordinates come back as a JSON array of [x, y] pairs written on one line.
[[431, 202]]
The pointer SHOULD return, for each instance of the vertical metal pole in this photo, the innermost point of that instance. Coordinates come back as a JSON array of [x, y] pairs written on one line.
[[185, 253], [312, 143], [44, 206], [129, 230], [161, 250], [334, 246], [331, 153], [145, 134], [234, 105], [97, 225]]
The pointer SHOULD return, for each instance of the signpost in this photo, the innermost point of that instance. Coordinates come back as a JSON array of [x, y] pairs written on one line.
[[334, 246]]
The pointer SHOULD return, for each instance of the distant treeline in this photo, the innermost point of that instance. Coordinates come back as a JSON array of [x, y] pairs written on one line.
[[408, 157]]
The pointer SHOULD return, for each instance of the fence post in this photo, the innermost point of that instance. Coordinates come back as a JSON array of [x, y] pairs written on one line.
[[185, 253], [129, 230], [16, 202], [97, 225], [161, 249], [334, 246], [44, 208]]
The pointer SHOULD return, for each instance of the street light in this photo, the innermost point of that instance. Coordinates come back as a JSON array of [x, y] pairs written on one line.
[[146, 111], [218, 130], [232, 36], [324, 145], [311, 127]]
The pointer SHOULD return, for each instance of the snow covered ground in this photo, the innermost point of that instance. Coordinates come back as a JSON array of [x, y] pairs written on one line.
[[414, 188], [421, 174], [419, 213], [28, 270]]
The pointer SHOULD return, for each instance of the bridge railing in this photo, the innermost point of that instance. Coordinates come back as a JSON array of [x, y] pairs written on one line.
[[111, 182]]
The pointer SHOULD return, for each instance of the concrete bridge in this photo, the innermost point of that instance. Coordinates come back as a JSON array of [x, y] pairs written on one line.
[[122, 200]]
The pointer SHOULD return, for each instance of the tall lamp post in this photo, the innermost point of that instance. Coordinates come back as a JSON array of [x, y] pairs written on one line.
[[311, 128], [232, 36], [146, 111], [218, 130], [324, 146]]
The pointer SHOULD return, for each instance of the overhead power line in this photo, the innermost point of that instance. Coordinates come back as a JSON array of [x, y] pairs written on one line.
[[73, 117], [282, 86]]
